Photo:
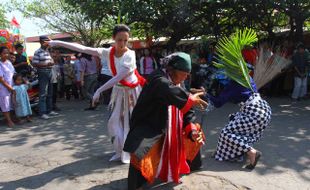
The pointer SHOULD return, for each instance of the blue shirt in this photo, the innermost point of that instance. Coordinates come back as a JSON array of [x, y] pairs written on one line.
[[233, 92]]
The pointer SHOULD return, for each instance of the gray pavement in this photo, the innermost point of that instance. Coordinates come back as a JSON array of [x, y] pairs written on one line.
[[71, 151]]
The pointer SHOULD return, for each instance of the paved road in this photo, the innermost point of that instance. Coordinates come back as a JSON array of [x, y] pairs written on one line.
[[71, 151]]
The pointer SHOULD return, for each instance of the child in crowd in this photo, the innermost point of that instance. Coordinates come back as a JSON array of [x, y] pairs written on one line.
[[68, 78], [12, 58], [6, 84], [20, 98]]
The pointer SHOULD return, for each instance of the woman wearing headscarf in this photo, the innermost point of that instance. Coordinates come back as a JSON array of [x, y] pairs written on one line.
[[162, 126]]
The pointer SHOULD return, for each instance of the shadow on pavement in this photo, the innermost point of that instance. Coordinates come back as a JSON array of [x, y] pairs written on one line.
[[85, 131], [65, 172], [285, 144], [113, 185]]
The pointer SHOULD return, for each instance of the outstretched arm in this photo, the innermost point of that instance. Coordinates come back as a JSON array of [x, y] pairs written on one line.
[[80, 48]]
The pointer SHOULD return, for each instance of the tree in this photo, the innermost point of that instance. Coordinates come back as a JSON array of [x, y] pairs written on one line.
[[4, 23], [260, 16], [298, 12], [62, 17], [175, 19]]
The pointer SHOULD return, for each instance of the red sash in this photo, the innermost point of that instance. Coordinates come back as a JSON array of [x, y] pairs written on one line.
[[174, 154], [141, 81]]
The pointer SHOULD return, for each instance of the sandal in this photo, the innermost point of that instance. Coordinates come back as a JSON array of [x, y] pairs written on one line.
[[257, 157]]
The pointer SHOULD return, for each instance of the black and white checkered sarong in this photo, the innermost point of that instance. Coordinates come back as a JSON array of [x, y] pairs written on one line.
[[244, 128]]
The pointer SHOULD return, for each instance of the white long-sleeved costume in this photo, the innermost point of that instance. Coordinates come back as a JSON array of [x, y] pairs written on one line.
[[123, 99]]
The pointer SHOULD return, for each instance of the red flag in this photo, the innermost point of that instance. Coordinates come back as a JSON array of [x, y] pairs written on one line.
[[14, 22]]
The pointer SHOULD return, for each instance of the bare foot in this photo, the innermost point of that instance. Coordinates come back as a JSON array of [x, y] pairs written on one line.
[[254, 156], [10, 124], [29, 119], [251, 155]]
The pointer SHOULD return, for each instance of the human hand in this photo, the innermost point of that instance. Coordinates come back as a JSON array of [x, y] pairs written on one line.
[[197, 136], [198, 101], [82, 83], [51, 43], [195, 90], [95, 100], [50, 64]]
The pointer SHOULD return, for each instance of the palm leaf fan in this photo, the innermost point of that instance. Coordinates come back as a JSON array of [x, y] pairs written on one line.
[[230, 57]]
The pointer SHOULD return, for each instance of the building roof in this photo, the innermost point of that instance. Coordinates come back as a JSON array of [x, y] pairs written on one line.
[[57, 36]]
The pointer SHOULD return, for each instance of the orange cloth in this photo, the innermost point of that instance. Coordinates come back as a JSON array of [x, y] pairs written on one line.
[[149, 164]]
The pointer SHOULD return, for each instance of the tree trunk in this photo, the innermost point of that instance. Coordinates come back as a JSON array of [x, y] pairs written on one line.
[[172, 43], [271, 34], [299, 23], [292, 26]]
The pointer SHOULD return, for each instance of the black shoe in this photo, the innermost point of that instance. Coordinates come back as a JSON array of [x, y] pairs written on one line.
[[90, 109], [196, 168], [56, 109]]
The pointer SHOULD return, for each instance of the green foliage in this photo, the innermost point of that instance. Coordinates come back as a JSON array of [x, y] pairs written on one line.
[[177, 19], [174, 19], [57, 15], [230, 56], [4, 23]]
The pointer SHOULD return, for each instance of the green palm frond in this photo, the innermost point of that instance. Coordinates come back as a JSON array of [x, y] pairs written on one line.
[[230, 57]]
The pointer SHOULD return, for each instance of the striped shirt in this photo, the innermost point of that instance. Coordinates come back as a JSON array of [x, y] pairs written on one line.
[[43, 57]]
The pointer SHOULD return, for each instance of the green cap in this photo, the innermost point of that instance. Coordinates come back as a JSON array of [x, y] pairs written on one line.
[[181, 61]]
